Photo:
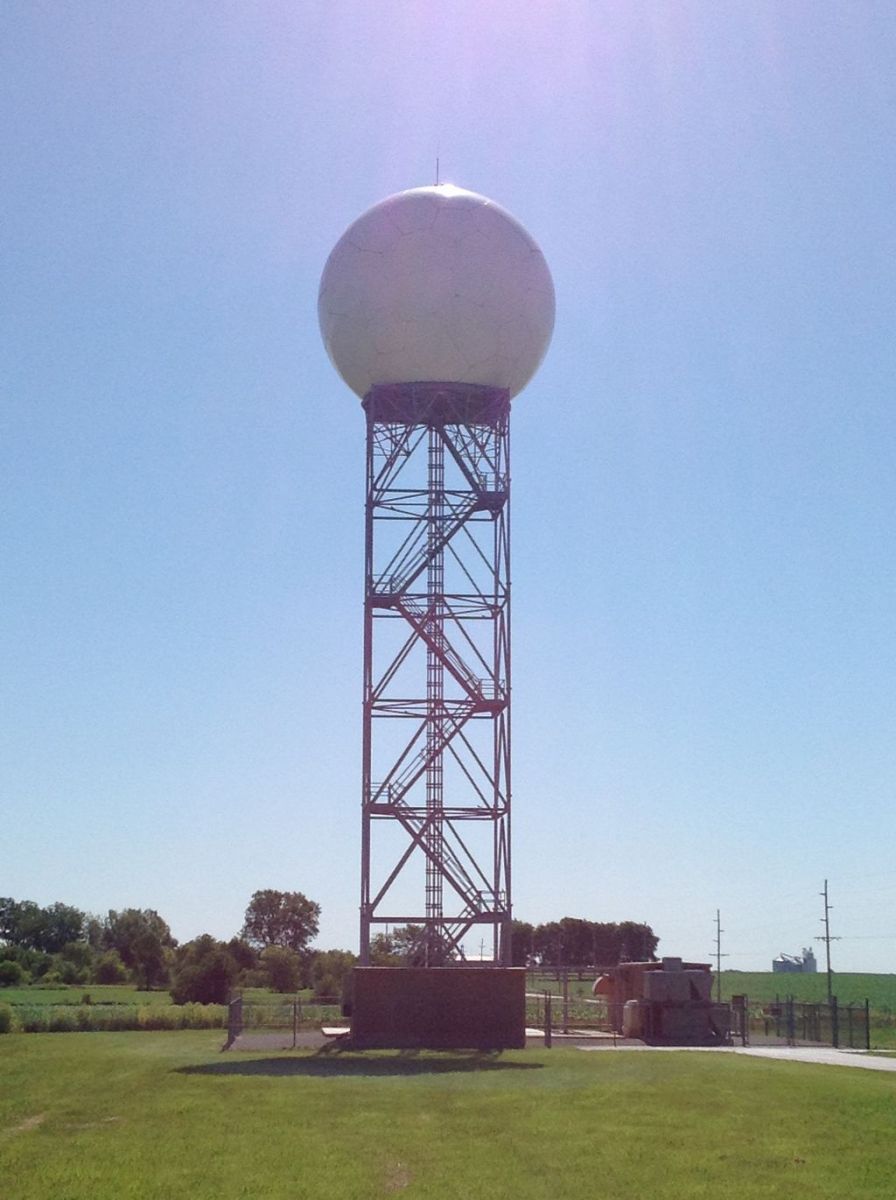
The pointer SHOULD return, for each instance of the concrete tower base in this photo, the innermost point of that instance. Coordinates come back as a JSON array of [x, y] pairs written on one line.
[[403, 1008]]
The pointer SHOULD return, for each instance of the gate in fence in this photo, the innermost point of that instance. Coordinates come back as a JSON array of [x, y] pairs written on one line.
[[561, 998]]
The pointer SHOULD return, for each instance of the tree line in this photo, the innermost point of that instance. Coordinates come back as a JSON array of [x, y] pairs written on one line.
[[574, 941], [60, 944]]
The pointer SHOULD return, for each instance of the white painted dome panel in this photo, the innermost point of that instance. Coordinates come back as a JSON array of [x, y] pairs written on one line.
[[436, 284]]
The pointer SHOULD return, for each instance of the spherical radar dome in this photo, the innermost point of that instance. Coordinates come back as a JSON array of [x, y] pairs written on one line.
[[436, 284]]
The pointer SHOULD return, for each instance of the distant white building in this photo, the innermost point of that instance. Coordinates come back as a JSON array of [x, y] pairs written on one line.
[[795, 964]]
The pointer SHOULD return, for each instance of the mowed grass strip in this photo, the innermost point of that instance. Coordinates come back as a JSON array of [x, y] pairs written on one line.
[[148, 1116]]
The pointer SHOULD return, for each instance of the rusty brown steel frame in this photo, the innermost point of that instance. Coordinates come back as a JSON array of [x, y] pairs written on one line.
[[436, 699]]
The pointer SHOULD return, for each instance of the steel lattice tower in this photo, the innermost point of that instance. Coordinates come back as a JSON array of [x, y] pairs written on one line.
[[436, 711], [436, 307]]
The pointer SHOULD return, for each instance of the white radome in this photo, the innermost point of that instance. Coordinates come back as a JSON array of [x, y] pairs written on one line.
[[436, 284]]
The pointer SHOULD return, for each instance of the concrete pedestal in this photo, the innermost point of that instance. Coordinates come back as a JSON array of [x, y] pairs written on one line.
[[482, 1008]]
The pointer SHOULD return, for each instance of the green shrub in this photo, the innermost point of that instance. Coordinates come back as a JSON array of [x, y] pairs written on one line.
[[5, 1018], [63, 1020], [71, 972], [11, 974], [115, 1018], [283, 968], [257, 978], [34, 1020], [330, 970], [207, 1016], [154, 1017], [109, 968], [118, 1019], [207, 981]]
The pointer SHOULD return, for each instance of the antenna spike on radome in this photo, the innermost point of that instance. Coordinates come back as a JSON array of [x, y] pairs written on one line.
[[437, 170]]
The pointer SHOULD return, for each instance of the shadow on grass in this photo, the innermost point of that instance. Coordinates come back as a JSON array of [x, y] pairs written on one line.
[[335, 1061]]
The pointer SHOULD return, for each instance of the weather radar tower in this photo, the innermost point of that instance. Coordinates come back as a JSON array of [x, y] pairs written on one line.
[[436, 308]]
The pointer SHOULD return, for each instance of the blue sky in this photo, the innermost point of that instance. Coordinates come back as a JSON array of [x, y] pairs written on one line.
[[704, 503]]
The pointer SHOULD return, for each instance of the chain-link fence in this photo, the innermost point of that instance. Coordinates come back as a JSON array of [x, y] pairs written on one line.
[[277, 1022], [559, 1000], [797, 1023]]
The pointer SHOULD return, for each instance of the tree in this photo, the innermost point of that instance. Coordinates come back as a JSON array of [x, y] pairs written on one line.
[[282, 967], [143, 940], [329, 969], [204, 972], [573, 941], [59, 926], [522, 944], [94, 931], [78, 953], [24, 923], [287, 919], [546, 943], [8, 908], [19, 922], [383, 952], [415, 946], [242, 954], [638, 942]]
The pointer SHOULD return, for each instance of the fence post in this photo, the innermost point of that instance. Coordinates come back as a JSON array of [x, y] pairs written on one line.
[[566, 1000], [835, 1023], [234, 1020], [295, 1020], [790, 1021], [739, 1018], [547, 1020], [867, 1025]]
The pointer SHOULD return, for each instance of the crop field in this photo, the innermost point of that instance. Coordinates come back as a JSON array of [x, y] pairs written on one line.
[[165, 1116], [762, 987], [765, 986]]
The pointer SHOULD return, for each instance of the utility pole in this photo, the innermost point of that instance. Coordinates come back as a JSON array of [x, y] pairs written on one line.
[[827, 938], [719, 956]]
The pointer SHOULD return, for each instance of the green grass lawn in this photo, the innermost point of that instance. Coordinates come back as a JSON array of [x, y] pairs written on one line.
[[167, 1116]]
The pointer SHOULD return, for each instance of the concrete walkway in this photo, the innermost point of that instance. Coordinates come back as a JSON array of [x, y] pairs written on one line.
[[826, 1055]]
